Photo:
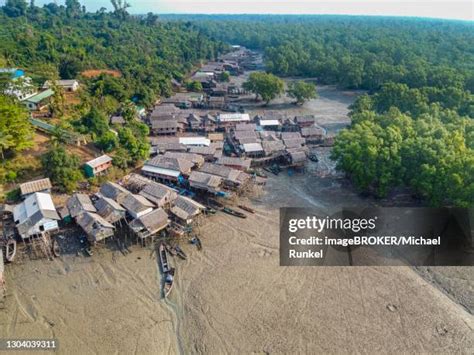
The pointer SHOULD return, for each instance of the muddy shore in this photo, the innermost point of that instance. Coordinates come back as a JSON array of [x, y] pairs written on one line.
[[233, 297]]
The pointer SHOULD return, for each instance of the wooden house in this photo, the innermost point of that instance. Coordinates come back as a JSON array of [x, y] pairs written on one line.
[[98, 166]]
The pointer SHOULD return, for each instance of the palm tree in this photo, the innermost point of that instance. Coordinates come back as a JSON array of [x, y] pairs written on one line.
[[58, 136]]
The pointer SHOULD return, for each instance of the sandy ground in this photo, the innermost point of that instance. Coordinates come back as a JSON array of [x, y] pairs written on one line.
[[233, 297]]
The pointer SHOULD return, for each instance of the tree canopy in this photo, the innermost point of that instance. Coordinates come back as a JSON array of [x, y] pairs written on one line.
[[301, 91], [265, 85]]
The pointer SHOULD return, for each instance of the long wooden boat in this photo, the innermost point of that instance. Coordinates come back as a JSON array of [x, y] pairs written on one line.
[[55, 249], [196, 241], [233, 212], [180, 252], [10, 250], [215, 204], [168, 271], [246, 208]]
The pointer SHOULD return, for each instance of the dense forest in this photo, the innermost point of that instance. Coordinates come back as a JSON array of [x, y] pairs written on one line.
[[414, 128], [60, 42]]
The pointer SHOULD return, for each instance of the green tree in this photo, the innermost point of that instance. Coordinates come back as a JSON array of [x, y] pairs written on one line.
[[194, 86], [15, 125], [62, 168], [265, 85], [301, 91], [15, 8], [107, 141]]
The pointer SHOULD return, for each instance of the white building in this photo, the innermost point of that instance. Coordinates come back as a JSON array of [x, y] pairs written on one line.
[[36, 215], [67, 85], [195, 141]]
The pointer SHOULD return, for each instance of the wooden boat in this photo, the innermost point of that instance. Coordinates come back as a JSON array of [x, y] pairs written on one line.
[[88, 251], [313, 157], [215, 204], [170, 249], [180, 252], [210, 210], [55, 248], [233, 212], [10, 250], [196, 241], [246, 208], [167, 270]]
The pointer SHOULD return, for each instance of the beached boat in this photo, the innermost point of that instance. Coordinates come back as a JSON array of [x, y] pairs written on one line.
[[196, 241], [10, 250], [246, 208], [215, 204], [233, 212], [167, 270], [180, 252], [170, 249], [89, 251], [274, 169], [55, 248], [313, 157]]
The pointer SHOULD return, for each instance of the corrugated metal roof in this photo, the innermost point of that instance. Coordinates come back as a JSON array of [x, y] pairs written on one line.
[[99, 161], [41, 96], [161, 171], [35, 186]]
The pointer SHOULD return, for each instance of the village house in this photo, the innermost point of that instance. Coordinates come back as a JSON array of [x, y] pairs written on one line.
[[68, 85], [242, 137], [78, 204], [109, 209], [215, 137], [216, 102], [220, 90], [305, 121], [39, 101], [245, 127], [161, 195], [227, 120], [232, 178], [185, 100], [294, 143], [206, 152], [95, 227], [195, 141], [205, 182], [270, 124], [20, 86], [150, 224], [36, 215], [167, 127], [164, 112], [186, 209], [205, 79], [273, 147], [113, 190], [30, 187], [167, 169], [195, 122], [98, 166], [297, 158], [209, 123], [196, 159], [136, 205], [253, 150], [313, 134], [235, 162]]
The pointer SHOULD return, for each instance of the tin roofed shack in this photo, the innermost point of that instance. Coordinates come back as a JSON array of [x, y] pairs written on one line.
[[98, 166], [96, 227], [36, 215], [30, 187], [150, 224]]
